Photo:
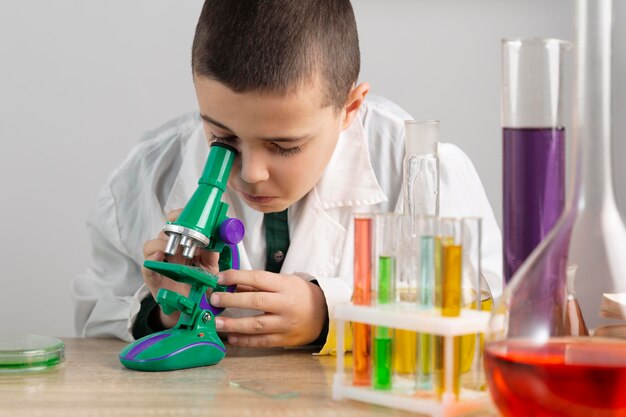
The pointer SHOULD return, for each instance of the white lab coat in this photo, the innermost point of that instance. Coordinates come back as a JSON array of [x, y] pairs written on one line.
[[363, 175]]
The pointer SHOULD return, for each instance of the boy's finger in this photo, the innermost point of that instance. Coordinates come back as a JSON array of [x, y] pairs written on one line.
[[261, 280], [173, 215], [209, 260], [151, 278], [262, 301], [152, 247], [257, 341], [261, 324], [245, 288]]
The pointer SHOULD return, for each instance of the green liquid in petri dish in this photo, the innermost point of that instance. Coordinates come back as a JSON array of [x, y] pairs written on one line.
[[30, 353]]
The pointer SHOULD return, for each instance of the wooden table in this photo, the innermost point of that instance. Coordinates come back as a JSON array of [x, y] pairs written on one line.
[[92, 382]]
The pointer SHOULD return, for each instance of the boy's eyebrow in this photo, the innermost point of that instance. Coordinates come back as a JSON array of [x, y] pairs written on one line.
[[214, 122], [221, 126]]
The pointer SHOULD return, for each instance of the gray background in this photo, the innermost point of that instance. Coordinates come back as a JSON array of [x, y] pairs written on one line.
[[81, 80]]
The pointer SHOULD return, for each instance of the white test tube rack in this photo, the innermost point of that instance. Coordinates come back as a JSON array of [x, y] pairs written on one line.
[[414, 319]]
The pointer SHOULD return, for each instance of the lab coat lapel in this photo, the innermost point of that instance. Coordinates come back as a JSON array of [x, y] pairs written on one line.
[[194, 158], [323, 218]]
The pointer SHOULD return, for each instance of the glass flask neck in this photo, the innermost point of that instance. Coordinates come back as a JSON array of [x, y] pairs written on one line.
[[594, 107]]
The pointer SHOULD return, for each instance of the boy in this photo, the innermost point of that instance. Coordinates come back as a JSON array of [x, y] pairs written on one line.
[[278, 81]]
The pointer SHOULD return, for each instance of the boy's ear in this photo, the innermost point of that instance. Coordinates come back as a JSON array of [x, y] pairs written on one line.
[[353, 104]]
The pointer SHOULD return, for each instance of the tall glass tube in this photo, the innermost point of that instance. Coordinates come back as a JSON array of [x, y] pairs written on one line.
[[533, 145], [361, 350], [421, 198], [421, 168], [527, 346]]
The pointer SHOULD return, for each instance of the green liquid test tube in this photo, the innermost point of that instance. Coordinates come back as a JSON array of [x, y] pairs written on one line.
[[382, 335]]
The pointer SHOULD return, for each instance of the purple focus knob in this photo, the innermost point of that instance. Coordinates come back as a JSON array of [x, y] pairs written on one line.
[[232, 231]]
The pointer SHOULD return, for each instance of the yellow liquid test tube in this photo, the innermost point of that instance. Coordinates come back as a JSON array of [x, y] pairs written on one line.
[[362, 340], [405, 342], [405, 345], [451, 268]]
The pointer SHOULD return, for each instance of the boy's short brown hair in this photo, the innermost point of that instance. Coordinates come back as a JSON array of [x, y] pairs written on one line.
[[276, 46]]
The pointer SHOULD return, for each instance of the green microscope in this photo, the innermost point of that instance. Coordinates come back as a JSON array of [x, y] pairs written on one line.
[[203, 224]]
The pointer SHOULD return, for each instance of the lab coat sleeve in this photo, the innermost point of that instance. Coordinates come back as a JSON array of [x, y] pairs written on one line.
[[107, 295], [336, 291]]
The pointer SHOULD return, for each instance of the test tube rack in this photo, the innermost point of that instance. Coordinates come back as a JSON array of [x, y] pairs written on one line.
[[414, 319]]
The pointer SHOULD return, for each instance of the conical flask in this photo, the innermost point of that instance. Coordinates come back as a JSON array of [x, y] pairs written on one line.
[[534, 365]]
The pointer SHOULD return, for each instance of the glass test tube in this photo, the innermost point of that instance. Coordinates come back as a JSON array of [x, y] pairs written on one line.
[[475, 294], [388, 233], [405, 341], [425, 232], [363, 235], [449, 252]]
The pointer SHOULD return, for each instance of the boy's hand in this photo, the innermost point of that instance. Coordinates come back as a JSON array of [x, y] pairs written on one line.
[[294, 310], [155, 250]]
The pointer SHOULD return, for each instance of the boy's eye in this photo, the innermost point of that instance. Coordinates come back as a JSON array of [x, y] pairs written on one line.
[[223, 139], [232, 140], [285, 151]]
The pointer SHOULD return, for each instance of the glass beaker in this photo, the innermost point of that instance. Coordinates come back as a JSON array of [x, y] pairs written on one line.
[[533, 143], [533, 366]]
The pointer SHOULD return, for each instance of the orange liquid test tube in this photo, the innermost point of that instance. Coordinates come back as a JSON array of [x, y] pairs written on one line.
[[361, 350]]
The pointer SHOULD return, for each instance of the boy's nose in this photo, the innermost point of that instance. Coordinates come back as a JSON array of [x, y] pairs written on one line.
[[253, 168]]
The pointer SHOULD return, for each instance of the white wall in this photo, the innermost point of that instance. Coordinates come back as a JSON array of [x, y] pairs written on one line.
[[80, 81]]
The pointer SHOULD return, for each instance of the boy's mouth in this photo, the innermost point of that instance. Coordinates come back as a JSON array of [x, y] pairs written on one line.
[[257, 199]]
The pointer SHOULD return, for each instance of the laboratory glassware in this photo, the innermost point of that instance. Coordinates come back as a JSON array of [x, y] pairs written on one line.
[[421, 168], [420, 196], [388, 234], [533, 143], [529, 345], [458, 284], [361, 350]]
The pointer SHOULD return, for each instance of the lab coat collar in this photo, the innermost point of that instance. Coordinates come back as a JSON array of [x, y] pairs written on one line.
[[349, 179], [195, 154]]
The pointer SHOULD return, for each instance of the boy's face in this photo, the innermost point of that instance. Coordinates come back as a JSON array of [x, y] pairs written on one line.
[[284, 143]]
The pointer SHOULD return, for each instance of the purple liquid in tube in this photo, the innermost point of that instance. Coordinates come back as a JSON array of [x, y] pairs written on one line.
[[534, 190]]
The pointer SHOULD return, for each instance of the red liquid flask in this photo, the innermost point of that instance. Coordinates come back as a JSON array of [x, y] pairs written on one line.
[[577, 377]]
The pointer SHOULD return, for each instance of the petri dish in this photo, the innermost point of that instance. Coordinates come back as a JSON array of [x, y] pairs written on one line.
[[30, 353]]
